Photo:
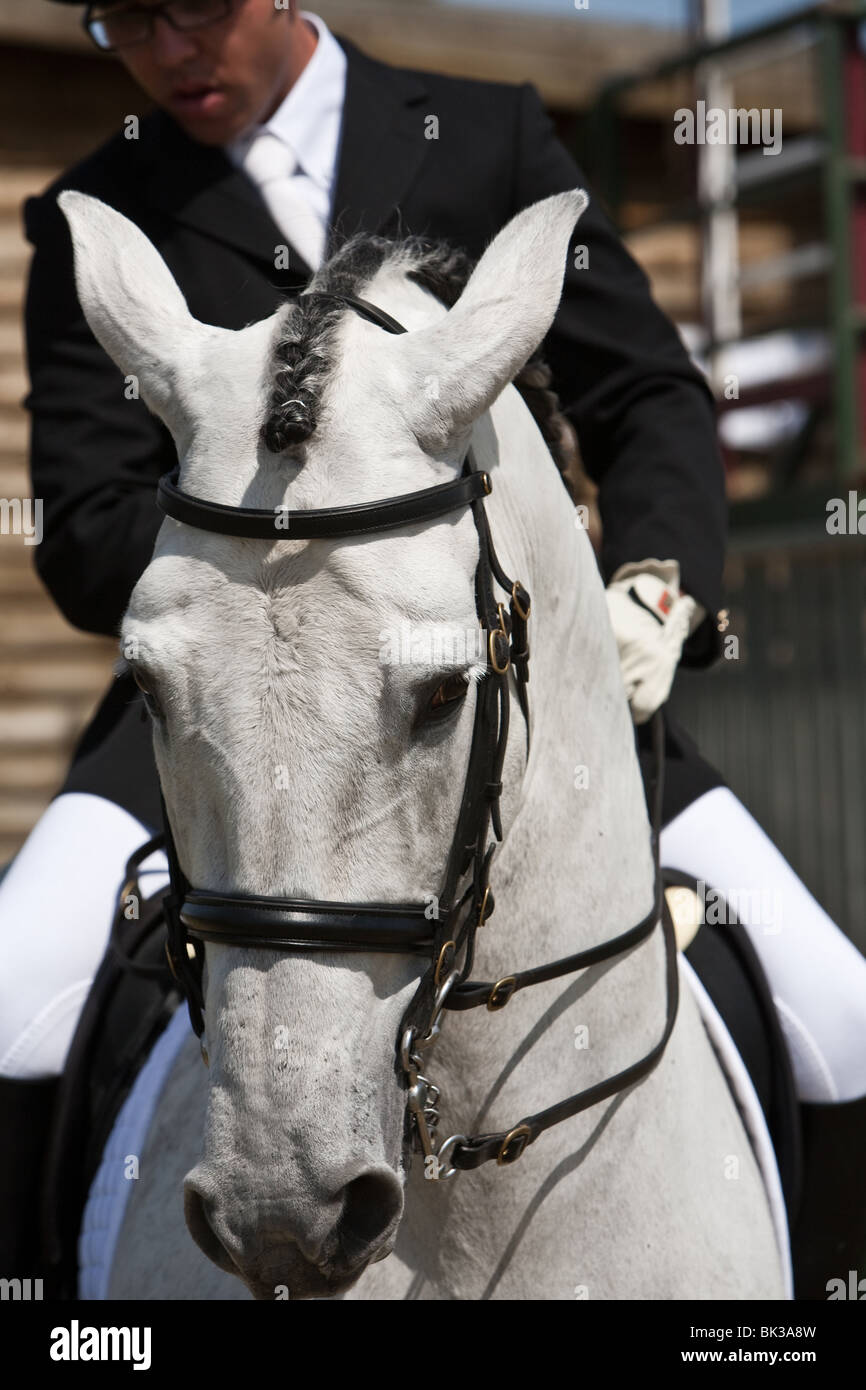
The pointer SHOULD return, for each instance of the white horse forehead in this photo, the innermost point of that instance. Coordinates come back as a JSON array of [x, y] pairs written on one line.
[[361, 406], [363, 449], [199, 586]]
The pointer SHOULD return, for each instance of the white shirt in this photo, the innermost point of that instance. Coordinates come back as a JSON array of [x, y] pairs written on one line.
[[308, 123]]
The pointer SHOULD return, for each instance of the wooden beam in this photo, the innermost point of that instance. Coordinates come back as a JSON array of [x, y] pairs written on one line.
[[566, 58], [43, 24]]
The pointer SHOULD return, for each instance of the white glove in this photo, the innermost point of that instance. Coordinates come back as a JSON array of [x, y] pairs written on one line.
[[651, 620]]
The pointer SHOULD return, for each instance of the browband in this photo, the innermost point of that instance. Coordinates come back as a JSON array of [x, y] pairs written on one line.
[[320, 523]]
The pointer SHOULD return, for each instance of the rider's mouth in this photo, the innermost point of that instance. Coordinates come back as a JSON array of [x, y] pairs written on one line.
[[198, 99]]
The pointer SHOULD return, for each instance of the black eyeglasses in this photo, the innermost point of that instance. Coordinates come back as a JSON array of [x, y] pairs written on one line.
[[125, 26]]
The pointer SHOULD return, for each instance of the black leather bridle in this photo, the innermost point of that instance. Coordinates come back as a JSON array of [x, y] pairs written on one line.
[[445, 934]]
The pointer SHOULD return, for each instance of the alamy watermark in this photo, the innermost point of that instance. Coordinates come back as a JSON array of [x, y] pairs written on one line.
[[739, 125], [757, 907], [77, 1343], [431, 644], [853, 1289], [22, 516], [20, 1290], [846, 516]]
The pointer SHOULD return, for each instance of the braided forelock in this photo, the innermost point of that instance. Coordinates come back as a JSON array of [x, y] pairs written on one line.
[[305, 355]]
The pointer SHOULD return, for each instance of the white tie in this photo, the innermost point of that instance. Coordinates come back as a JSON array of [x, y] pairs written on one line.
[[289, 193]]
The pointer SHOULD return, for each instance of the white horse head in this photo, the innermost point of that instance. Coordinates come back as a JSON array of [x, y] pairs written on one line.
[[303, 755]]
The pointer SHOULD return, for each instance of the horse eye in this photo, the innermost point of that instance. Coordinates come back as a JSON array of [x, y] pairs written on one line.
[[446, 698], [150, 699]]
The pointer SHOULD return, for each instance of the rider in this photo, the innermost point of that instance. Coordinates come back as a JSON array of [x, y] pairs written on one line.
[[205, 182]]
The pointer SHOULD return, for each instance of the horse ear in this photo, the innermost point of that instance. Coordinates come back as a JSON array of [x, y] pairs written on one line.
[[504, 312], [133, 304]]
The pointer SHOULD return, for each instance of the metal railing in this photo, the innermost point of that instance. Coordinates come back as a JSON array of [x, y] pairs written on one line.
[[832, 158]]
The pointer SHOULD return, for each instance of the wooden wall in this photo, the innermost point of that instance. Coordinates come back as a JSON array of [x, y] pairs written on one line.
[[50, 675], [54, 107]]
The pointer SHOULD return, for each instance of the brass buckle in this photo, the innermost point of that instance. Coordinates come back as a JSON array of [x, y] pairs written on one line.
[[499, 631], [129, 889], [170, 958], [513, 1145], [440, 964], [488, 485], [501, 993], [518, 606], [482, 910], [190, 951]]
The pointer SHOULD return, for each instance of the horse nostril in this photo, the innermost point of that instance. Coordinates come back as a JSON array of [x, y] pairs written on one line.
[[372, 1206], [202, 1232]]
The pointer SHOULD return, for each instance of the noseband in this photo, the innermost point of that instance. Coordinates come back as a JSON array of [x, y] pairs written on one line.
[[443, 934]]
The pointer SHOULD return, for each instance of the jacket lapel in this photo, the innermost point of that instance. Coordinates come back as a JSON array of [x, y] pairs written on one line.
[[381, 148], [382, 145], [199, 186]]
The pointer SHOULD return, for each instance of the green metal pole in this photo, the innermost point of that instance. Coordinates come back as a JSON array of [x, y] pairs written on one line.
[[837, 203]]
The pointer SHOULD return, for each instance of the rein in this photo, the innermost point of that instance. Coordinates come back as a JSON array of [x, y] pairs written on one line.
[[444, 934]]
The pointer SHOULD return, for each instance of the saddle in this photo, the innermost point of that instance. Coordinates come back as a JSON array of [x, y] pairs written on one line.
[[134, 995], [730, 970], [131, 1000]]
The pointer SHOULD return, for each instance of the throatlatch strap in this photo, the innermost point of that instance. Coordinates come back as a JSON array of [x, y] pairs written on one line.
[[508, 1145]]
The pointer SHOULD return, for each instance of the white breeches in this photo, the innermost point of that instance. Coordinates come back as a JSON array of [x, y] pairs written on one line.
[[57, 903], [817, 976], [60, 894]]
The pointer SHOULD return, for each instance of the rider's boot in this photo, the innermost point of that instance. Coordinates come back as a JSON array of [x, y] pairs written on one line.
[[828, 1237], [26, 1112]]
